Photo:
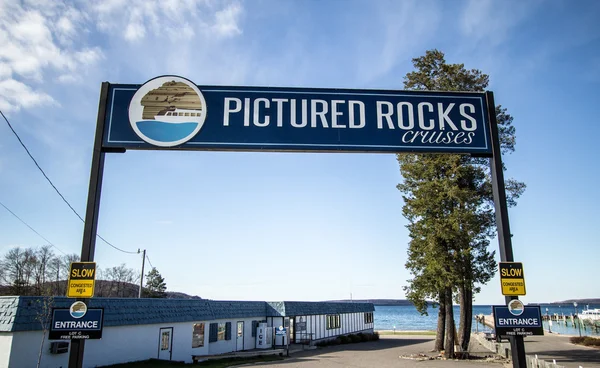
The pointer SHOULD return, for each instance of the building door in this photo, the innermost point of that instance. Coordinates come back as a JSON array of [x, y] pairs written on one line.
[[165, 343], [240, 336]]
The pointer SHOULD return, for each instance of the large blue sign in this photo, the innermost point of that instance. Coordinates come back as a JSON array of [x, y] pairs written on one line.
[[525, 321], [173, 113], [68, 325]]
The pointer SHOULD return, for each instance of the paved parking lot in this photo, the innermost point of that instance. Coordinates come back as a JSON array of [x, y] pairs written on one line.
[[383, 353], [558, 347]]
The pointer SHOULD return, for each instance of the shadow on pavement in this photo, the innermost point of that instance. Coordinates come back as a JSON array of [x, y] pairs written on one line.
[[384, 343]]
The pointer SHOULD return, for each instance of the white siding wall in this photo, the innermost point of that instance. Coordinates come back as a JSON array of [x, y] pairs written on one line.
[[349, 323], [274, 321], [249, 341], [25, 349], [122, 344], [226, 346], [5, 346]]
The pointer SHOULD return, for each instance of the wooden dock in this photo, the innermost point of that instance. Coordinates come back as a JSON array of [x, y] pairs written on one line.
[[486, 320]]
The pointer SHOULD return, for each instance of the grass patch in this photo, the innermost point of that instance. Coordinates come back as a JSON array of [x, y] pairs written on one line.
[[213, 363], [586, 341], [419, 333]]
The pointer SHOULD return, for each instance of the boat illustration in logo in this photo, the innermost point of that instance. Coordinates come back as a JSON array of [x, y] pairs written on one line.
[[167, 111], [78, 309], [516, 307]]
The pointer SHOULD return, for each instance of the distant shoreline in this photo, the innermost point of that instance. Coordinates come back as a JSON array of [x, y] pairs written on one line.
[[405, 302], [407, 332]]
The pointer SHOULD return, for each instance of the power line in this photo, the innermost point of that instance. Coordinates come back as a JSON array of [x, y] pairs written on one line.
[[38, 166], [53, 186], [32, 229], [119, 249], [150, 263]]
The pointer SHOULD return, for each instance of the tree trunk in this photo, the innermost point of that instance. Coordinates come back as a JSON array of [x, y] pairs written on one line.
[[39, 360], [450, 327], [466, 316], [441, 324]]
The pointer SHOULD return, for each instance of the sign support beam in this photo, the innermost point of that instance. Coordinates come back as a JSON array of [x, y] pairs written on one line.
[[517, 346], [90, 229]]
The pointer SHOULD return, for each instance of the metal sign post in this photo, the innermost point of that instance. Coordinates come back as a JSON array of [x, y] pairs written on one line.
[[90, 229], [517, 346]]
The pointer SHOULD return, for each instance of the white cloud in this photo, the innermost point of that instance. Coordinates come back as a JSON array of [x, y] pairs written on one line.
[[88, 56], [398, 36], [227, 20], [67, 78], [134, 31], [492, 21], [37, 40], [172, 19], [50, 41], [15, 94], [5, 71]]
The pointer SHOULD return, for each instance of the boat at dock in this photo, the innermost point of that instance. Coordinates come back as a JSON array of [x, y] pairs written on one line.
[[590, 316]]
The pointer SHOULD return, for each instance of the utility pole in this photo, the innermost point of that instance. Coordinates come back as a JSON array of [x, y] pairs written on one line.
[[142, 275]]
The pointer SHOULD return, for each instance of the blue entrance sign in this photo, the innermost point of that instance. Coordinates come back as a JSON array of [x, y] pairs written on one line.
[[524, 321], [68, 326], [173, 113]]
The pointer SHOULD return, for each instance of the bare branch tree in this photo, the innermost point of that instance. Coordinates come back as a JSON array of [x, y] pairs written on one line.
[[44, 317]]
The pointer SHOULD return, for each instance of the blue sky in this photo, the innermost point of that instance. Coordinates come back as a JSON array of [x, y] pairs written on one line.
[[286, 226]]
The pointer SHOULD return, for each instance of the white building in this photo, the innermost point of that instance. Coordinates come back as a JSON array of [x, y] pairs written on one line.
[[172, 329]]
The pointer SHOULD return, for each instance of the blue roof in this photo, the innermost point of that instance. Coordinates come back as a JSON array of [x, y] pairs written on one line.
[[312, 308], [20, 313], [239, 309]]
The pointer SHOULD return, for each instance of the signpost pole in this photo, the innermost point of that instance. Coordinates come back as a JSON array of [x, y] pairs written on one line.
[[88, 245], [504, 237]]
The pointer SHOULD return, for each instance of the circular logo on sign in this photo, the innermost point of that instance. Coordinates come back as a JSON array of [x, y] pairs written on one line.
[[516, 307], [167, 111], [78, 309]]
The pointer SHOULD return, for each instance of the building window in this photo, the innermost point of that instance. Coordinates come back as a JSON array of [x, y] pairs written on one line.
[[254, 327], [333, 321], [369, 317], [164, 341], [221, 331], [198, 335]]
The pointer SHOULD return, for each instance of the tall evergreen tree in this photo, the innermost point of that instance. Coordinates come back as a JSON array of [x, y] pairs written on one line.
[[449, 206], [155, 285]]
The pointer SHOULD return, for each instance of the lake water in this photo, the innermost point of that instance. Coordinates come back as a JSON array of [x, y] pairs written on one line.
[[166, 132], [407, 318]]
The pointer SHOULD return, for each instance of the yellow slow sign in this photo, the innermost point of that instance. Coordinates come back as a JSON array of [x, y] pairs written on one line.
[[81, 280], [512, 278]]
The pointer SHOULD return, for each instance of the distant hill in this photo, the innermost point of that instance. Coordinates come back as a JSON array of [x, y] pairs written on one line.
[[103, 289], [579, 301], [382, 302], [178, 295]]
